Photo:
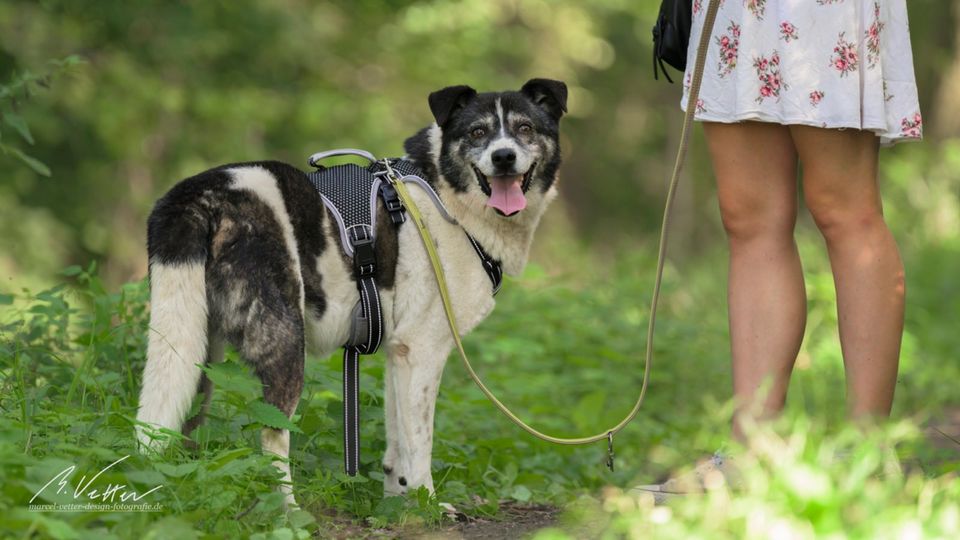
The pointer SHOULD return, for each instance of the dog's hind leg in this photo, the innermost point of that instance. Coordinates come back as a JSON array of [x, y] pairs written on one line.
[[274, 345], [263, 319], [176, 347], [415, 370]]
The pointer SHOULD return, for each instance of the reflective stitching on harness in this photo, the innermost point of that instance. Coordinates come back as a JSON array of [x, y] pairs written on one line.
[[356, 416], [351, 412], [346, 416], [374, 193]]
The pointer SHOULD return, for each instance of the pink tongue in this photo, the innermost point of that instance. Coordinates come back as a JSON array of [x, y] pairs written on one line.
[[506, 194]]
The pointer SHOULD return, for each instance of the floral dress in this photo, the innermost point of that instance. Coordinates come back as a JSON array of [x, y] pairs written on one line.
[[823, 63]]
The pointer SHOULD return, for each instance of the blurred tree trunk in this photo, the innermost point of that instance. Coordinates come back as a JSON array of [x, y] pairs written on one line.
[[948, 97], [682, 218]]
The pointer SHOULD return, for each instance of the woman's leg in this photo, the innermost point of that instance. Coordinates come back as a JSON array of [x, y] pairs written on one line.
[[841, 191], [756, 169]]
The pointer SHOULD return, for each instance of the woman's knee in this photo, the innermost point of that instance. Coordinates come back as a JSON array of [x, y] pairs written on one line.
[[837, 217], [746, 223]]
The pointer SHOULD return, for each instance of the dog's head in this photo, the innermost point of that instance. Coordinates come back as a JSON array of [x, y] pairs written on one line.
[[500, 150]]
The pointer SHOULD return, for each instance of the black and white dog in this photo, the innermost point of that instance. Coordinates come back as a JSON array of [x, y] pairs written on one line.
[[247, 254]]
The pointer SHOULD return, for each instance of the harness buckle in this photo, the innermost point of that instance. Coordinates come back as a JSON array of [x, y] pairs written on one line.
[[391, 199], [364, 257]]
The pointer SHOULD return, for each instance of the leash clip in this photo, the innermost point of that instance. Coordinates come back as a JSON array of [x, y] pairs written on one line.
[[610, 450], [392, 176]]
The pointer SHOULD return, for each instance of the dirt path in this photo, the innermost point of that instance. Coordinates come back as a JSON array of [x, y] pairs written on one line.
[[517, 521], [943, 434], [514, 520]]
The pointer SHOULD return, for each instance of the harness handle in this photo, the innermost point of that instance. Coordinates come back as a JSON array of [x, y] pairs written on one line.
[[315, 158]]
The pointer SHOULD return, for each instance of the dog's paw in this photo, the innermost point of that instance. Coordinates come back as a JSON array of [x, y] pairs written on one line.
[[393, 483], [290, 504]]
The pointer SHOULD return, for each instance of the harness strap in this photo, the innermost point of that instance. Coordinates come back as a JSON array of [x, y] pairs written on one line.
[[351, 410], [364, 267], [490, 265]]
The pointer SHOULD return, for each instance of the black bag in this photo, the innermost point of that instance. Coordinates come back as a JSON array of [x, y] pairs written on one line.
[[671, 36]]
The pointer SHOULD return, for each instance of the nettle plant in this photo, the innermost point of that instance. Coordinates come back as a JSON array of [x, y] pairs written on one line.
[[20, 88]]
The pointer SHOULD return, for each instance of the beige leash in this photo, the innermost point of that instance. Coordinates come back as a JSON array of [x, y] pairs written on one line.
[[607, 434]]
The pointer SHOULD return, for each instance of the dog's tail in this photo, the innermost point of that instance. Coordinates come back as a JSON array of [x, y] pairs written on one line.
[[178, 237]]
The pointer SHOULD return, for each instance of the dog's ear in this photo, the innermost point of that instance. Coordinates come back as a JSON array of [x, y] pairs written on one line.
[[445, 102], [549, 94]]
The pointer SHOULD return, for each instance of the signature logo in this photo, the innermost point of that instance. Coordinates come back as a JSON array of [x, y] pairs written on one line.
[[111, 497]]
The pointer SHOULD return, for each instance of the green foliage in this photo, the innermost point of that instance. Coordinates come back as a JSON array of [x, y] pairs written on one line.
[[21, 88], [797, 481], [562, 350]]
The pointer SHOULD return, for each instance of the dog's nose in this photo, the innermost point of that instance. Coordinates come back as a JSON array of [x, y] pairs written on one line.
[[504, 158]]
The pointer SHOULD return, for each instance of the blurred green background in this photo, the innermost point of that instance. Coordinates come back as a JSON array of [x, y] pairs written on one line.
[[165, 89]]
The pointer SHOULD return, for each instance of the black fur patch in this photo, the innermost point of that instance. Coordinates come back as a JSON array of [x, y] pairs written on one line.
[[388, 248], [180, 226], [419, 151], [307, 215]]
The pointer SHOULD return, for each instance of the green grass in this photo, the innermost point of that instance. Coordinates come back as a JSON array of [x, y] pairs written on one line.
[[799, 480], [563, 350]]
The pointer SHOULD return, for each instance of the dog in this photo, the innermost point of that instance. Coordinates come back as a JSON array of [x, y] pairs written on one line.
[[247, 255]]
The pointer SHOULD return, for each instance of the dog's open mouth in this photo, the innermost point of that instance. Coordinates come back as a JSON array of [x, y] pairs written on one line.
[[506, 193]]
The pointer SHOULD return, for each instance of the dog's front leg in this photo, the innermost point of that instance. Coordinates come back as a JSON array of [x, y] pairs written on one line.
[[391, 456], [413, 373]]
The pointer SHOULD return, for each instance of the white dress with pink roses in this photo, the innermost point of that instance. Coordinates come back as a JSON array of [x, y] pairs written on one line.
[[824, 63]]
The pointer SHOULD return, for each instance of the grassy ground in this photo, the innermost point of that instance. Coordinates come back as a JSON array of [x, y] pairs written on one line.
[[564, 350]]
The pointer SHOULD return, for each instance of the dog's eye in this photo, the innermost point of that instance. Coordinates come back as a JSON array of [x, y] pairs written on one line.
[[525, 129], [476, 133]]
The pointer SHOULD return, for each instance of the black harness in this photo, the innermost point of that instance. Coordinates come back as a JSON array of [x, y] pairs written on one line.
[[350, 194]]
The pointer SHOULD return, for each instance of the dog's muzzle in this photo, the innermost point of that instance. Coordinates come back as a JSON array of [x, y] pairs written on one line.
[[506, 193]]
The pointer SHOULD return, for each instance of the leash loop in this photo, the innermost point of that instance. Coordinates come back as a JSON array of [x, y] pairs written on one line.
[[430, 247]]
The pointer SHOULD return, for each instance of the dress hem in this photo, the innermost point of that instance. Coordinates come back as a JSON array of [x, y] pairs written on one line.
[[886, 138]]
